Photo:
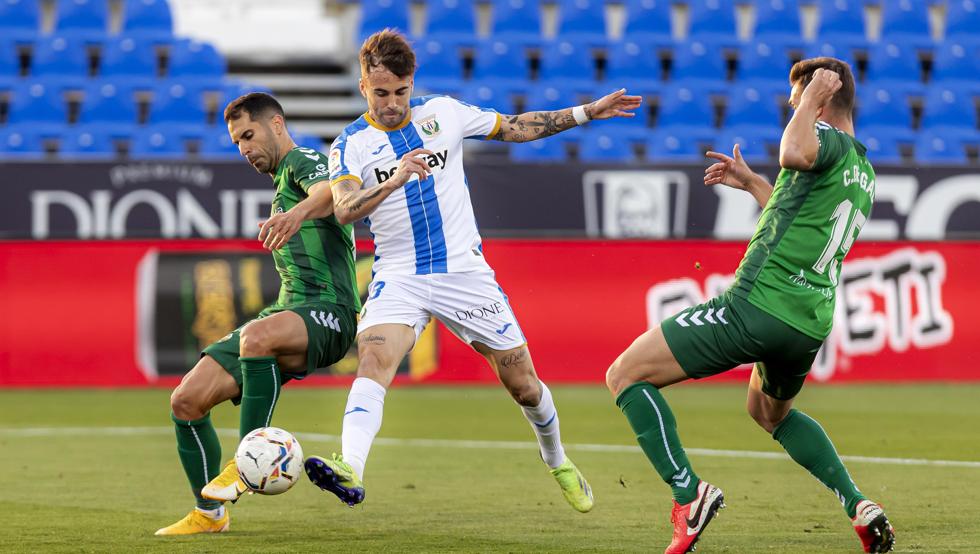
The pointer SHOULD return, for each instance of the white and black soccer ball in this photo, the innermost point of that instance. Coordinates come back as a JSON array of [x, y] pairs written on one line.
[[270, 460]]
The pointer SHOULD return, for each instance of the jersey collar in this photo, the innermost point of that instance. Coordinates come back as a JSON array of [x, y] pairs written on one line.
[[376, 125]]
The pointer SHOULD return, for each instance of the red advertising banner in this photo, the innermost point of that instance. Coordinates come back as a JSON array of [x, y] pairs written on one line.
[[75, 313]]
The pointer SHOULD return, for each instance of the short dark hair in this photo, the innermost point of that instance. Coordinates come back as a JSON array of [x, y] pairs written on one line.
[[254, 104], [390, 50], [803, 70]]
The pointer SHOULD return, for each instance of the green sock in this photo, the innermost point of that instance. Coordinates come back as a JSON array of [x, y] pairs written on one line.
[[261, 381], [656, 431], [808, 444], [200, 454]]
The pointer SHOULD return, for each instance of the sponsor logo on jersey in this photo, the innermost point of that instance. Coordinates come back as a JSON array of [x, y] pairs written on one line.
[[435, 161], [430, 126], [486, 311], [334, 161]]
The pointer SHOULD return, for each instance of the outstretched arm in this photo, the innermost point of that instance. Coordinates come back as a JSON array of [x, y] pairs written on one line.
[[732, 171], [530, 126]]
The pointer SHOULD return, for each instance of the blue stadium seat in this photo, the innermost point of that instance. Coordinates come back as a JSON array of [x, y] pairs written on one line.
[[684, 107], [549, 150], [111, 105], [191, 59], [777, 21], [486, 95], [962, 20], [85, 143], [570, 64], [842, 23], [378, 14], [949, 106], [517, 21], [217, 145], [131, 60], [9, 61], [940, 148], [894, 61], [158, 143], [548, 98], [764, 61], [21, 142], [634, 64], [753, 106], [754, 142], [20, 20], [38, 105], [232, 89], [440, 67], [883, 144], [701, 64], [148, 20], [503, 63], [599, 146], [907, 22], [841, 51], [648, 21], [673, 145], [956, 62], [713, 20], [178, 103], [86, 20], [61, 59], [451, 22], [582, 21], [883, 106], [309, 141]]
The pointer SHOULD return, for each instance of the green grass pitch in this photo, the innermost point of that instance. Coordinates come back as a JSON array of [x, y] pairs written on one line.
[[65, 488]]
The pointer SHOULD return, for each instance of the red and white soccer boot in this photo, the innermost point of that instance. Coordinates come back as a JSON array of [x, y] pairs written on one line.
[[690, 519], [877, 534]]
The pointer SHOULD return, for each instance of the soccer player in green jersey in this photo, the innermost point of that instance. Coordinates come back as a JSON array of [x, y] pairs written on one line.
[[312, 324], [776, 314]]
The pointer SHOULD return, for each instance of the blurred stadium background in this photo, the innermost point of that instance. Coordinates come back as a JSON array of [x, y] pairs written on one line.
[[128, 222]]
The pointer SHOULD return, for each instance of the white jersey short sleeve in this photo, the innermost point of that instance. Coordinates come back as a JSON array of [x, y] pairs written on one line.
[[425, 227]]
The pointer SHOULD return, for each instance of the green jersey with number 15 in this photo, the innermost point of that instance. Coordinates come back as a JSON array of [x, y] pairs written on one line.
[[793, 262]]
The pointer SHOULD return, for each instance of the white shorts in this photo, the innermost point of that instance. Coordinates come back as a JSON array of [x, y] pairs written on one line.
[[471, 305]]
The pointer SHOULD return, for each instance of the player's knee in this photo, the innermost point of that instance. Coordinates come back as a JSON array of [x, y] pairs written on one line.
[[615, 377], [256, 340], [525, 391], [766, 419], [185, 406], [374, 367]]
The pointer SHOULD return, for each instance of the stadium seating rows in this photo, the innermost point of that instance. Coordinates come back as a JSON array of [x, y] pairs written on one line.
[[142, 90]]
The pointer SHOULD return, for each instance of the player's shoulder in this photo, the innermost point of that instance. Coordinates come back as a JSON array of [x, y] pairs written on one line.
[[358, 128], [302, 157]]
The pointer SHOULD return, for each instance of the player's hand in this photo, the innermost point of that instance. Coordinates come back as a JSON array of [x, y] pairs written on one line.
[[729, 170], [821, 89], [276, 231], [412, 163], [616, 104]]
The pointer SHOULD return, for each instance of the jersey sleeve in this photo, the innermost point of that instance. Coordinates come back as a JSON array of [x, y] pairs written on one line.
[[309, 168], [344, 162], [833, 146], [476, 122]]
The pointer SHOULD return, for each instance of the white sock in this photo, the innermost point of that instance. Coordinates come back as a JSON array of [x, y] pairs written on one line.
[[362, 421], [544, 421], [216, 513]]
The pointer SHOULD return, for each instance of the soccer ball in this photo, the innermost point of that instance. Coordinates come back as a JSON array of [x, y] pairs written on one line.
[[269, 460]]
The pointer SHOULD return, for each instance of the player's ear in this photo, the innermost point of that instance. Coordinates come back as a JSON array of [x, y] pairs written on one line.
[[362, 87]]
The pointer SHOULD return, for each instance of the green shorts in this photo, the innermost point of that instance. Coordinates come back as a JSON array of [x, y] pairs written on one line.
[[328, 339], [728, 331]]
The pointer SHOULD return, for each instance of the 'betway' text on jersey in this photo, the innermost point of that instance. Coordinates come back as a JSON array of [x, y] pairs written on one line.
[[426, 226]]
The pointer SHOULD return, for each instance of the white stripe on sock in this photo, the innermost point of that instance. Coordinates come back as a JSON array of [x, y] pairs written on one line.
[[204, 457], [275, 396], [662, 432]]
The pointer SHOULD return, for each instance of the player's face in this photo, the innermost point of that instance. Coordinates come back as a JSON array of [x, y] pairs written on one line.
[[795, 94], [387, 96], [256, 140]]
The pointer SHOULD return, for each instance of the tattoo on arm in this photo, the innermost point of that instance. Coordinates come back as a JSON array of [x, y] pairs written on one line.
[[355, 201], [535, 125]]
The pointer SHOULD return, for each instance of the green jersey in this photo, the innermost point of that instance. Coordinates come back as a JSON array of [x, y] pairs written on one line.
[[793, 262], [317, 264]]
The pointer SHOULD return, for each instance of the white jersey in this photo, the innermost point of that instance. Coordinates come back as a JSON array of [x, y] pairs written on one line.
[[428, 226]]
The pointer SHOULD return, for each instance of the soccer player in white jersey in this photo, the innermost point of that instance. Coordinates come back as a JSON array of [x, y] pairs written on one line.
[[399, 167]]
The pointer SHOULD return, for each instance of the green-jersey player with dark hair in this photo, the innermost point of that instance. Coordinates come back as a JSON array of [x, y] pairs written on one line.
[[312, 324], [776, 314]]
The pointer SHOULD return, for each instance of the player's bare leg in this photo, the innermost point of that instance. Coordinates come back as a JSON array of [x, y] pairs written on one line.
[[808, 444], [202, 388], [635, 379], [516, 371], [268, 348], [380, 350]]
